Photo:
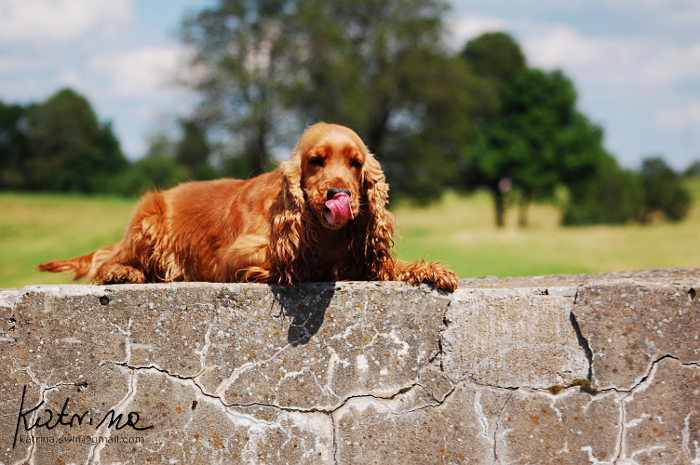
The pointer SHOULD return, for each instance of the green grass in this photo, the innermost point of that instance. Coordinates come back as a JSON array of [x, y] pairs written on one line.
[[36, 228], [459, 231]]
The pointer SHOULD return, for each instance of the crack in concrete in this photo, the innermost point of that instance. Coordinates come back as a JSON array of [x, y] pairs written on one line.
[[496, 460], [335, 440], [94, 454], [621, 456], [178, 377], [329, 412], [644, 378]]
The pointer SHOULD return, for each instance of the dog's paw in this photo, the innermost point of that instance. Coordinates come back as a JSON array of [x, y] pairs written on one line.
[[442, 278], [430, 273], [120, 274]]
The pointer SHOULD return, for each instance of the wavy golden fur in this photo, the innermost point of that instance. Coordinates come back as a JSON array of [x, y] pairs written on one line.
[[269, 229]]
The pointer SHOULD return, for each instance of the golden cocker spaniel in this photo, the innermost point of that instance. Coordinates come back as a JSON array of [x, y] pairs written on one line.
[[320, 216]]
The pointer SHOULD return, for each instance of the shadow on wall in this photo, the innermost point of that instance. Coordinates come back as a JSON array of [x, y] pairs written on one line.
[[305, 309]]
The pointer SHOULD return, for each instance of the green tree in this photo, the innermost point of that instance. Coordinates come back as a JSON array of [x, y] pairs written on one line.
[[70, 149], [498, 60], [537, 109], [533, 139], [495, 56], [14, 146], [663, 191]]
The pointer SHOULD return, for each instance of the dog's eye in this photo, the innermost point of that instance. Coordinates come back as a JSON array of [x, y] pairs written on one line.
[[316, 161], [356, 163]]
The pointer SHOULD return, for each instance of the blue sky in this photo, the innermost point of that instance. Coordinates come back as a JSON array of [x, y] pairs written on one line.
[[635, 63]]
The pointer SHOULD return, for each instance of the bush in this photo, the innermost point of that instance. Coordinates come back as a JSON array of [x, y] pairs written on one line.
[[613, 196], [663, 191], [693, 169], [158, 169]]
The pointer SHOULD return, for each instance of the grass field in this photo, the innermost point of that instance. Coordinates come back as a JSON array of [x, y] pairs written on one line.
[[459, 231]]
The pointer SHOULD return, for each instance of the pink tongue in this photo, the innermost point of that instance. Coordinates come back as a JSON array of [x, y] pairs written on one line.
[[340, 210]]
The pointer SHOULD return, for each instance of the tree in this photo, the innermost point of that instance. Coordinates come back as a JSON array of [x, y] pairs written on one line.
[[495, 56], [537, 109], [14, 145], [663, 191], [70, 149], [533, 139], [497, 59], [244, 55]]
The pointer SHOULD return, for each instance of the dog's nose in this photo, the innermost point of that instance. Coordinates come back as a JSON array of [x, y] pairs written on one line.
[[332, 191]]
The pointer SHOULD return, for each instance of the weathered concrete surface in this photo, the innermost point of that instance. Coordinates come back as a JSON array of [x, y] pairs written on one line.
[[601, 369]]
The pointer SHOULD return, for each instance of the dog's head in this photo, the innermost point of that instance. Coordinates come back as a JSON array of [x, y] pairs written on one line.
[[332, 171], [331, 180]]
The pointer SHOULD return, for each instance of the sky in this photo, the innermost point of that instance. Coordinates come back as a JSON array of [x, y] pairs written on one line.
[[635, 63]]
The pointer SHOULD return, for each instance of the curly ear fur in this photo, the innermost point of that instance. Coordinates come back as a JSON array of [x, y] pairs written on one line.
[[287, 237], [376, 249]]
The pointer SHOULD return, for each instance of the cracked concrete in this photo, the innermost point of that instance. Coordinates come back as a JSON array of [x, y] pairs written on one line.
[[590, 369]]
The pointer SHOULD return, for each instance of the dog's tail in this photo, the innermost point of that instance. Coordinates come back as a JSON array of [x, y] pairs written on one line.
[[82, 267]]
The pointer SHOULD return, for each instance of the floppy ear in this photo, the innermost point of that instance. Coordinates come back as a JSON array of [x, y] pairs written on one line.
[[287, 240], [291, 172], [380, 227]]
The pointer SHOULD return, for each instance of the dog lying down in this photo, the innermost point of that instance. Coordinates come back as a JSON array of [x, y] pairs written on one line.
[[320, 216]]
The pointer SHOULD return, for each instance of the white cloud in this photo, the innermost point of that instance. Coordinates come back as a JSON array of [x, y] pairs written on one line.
[[562, 47], [62, 20], [467, 27], [615, 61], [674, 64], [140, 71], [10, 64], [70, 78], [688, 115]]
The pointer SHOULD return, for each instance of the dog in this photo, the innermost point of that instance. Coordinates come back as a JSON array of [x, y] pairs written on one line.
[[320, 216]]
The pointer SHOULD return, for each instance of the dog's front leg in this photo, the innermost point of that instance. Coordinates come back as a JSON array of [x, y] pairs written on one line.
[[425, 272]]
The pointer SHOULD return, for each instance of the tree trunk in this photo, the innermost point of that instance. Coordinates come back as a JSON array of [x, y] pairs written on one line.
[[258, 157], [263, 156], [499, 203], [522, 211]]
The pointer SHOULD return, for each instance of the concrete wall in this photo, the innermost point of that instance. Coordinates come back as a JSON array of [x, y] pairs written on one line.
[[560, 369]]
